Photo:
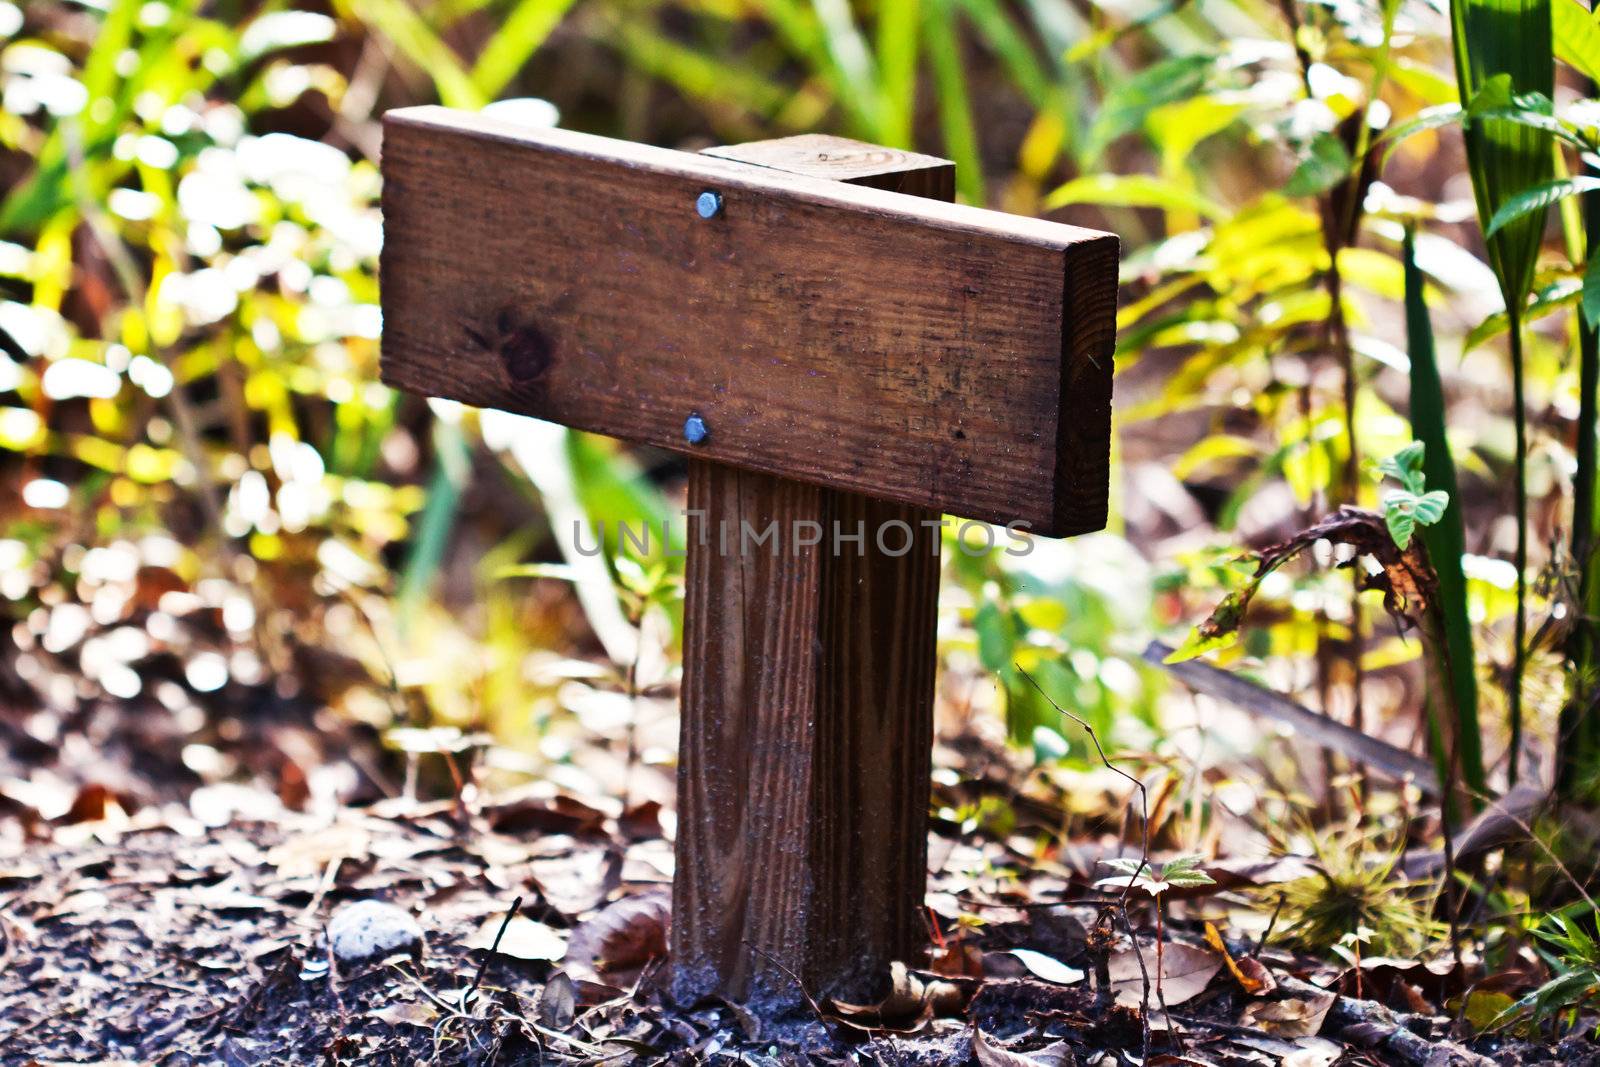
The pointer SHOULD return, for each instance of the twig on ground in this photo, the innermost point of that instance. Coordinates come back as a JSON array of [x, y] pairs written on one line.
[[1261, 942], [477, 979]]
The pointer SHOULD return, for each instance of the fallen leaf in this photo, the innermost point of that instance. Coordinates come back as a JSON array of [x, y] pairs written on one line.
[[989, 1054], [93, 803], [1186, 970], [1252, 976], [1050, 970], [311, 853], [525, 938], [641, 822], [1314, 1052], [959, 959], [545, 815], [1253, 874], [1290, 1017], [1483, 1008], [558, 1002], [1299, 1052], [623, 936], [411, 1012], [913, 1001], [1408, 985]]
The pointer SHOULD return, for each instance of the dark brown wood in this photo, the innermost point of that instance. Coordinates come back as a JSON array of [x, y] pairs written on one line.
[[804, 755], [938, 355]]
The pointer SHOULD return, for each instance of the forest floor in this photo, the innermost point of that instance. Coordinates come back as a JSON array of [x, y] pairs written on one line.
[[186, 879], [150, 939]]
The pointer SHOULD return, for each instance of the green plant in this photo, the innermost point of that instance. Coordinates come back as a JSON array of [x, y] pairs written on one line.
[[1352, 895], [1574, 955], [1578, 767], [1413, 505], [1141, 874], [1504, 52], [1446, 543], [1184, 872]]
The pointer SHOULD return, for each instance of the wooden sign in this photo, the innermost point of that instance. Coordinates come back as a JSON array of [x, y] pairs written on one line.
[[938, 355], [836, 348]]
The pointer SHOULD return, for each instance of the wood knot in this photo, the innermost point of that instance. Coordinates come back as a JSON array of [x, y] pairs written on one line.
[[524, 349]]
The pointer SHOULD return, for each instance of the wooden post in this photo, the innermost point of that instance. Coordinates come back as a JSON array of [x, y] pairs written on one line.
[[843, 364], [808, 694]]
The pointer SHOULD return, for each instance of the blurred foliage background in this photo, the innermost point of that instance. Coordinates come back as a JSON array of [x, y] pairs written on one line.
[[214, 515]]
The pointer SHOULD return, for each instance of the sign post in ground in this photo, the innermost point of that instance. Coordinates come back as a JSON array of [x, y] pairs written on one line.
[[845, 357]]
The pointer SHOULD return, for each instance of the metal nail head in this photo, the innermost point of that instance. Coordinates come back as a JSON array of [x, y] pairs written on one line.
[[694, 429], [708, 204]]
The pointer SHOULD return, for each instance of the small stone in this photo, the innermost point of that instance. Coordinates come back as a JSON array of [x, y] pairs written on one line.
[[369, 928]]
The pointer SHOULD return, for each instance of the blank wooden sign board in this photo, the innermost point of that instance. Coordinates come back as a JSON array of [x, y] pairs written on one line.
[[845, 356]]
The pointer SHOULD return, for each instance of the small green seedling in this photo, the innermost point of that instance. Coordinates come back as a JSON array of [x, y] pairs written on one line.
[[1413, 505], [1182, 873]]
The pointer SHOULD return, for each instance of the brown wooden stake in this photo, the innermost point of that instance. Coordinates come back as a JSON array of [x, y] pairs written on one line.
[[843, 365], [804, 756]]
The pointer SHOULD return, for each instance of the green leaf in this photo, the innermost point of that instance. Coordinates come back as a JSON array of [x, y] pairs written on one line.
[[1405, 466], [1325, 164], [401, 24], [1221, 630], [1430, 118], [1591, 291], [1539, 198], [1133, 190], [1429, 507], [1129, 101], [997, 636], [1552, 298], [1185, 878], [1445, 539], [1509, 40], [1577, 37], [897, 40], [1400, 518]]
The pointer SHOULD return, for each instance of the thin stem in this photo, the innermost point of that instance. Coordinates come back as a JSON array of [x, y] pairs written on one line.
[[1577, 729], [1520, 631]]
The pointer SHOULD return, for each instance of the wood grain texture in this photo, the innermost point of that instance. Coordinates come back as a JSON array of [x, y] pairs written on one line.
[[820, 155], [841, 334], [804, 758], [804, 751]]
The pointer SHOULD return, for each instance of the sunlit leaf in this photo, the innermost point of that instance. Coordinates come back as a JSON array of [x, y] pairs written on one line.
[[1132, 190], [1577, 37], [1539, 198]]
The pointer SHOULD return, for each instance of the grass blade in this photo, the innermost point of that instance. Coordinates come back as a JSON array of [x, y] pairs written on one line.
[[897, 64], [955, 109], [1445, 540], [529, 24], [417, 41]]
